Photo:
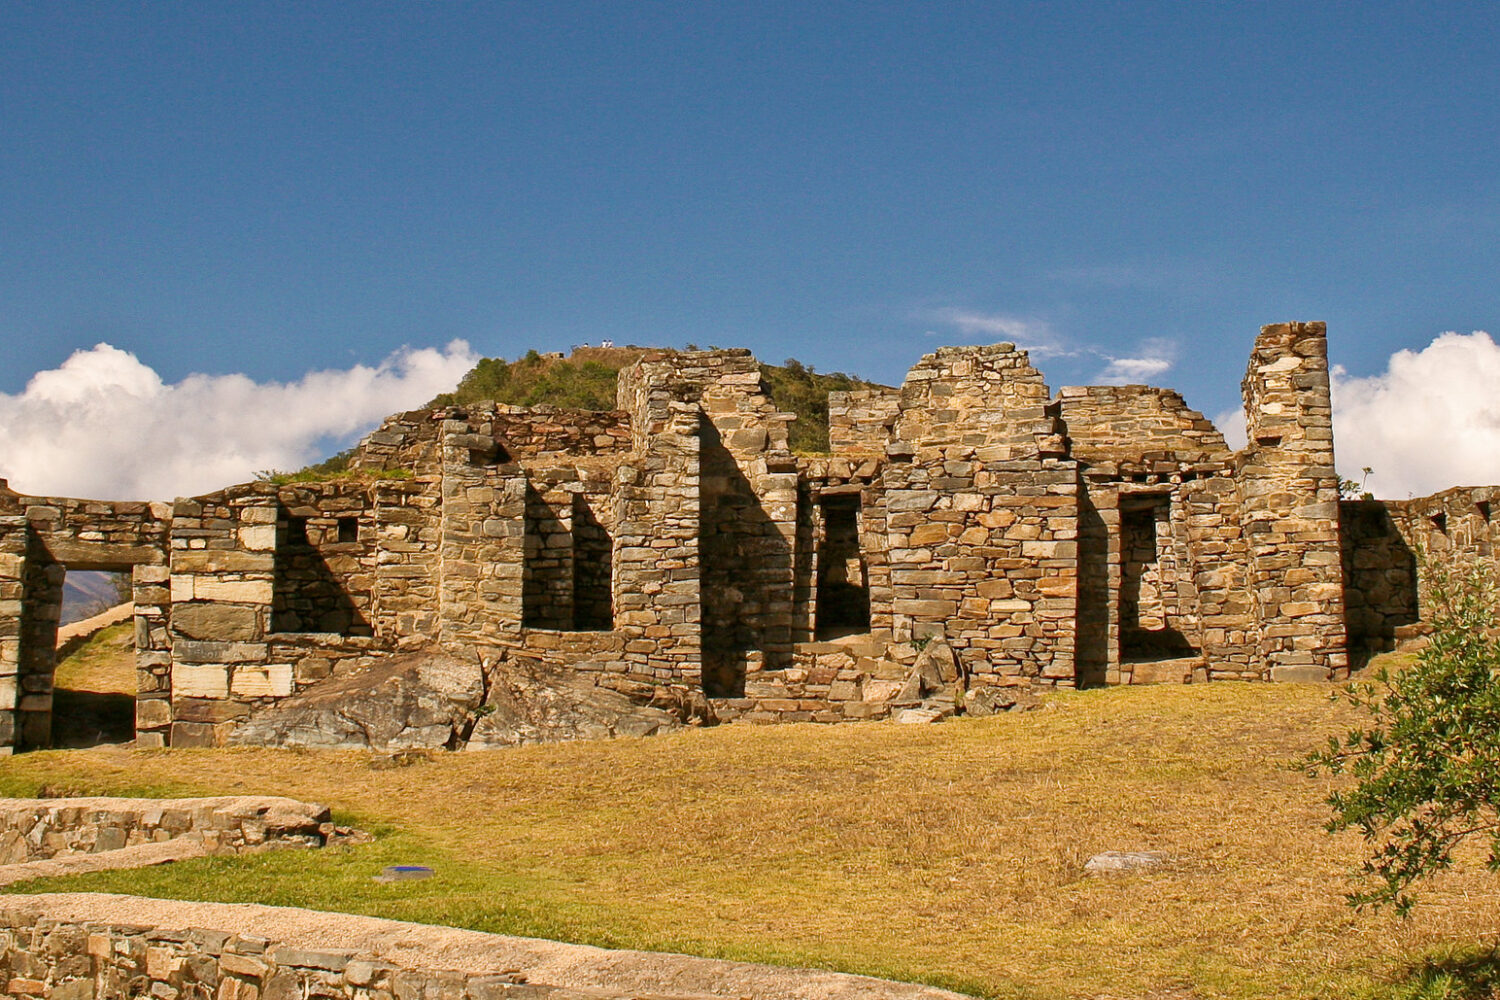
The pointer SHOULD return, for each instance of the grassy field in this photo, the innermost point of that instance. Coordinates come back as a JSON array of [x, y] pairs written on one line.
[[94, 696], [949, 854]]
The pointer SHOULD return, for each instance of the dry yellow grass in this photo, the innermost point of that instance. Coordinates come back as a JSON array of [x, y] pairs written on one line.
[[105, 664], [951, 854]]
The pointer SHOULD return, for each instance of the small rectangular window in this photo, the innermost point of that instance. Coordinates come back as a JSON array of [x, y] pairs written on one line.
[[348, 529], [1483, 507], [1440, 522], [296, 531]]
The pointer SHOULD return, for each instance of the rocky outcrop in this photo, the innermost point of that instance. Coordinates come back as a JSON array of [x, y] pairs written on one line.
[[531, 702], [412, 701], [431, 700]]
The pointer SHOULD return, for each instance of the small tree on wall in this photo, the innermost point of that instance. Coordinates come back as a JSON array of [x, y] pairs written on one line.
[[1427, 764]]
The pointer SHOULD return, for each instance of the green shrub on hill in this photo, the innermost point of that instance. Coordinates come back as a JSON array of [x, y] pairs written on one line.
[[533, 380], [798, 389]]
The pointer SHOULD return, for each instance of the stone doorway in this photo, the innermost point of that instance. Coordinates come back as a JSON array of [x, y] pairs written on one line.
[[843, 596], [90, 709], [1149, 613]]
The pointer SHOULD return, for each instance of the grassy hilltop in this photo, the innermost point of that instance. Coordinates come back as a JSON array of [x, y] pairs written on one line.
[[586, 381]]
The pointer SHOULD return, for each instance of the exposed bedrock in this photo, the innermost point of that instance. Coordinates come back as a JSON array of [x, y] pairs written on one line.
[[433, 700]]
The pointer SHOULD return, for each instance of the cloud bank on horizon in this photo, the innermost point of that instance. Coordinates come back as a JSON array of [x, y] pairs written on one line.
[[104, 425], [1431, 420]]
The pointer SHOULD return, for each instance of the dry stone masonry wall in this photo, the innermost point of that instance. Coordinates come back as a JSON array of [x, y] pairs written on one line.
[[35, 829], [83, 946], [676, 549]]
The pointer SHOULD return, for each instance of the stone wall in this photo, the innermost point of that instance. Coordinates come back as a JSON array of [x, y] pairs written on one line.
[[34, 829], [12, 594], [414, 440], [86, 946], [1139, 431], [272, 588], [1389, 547], [51, 535], [1379, 550], [1158, 513], [62, 961], [981, 512], [408, 566], [862, 420]]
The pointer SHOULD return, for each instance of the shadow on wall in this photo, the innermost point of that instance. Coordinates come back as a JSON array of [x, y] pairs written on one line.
[[1380, 578], [746, 573], [843, 594], [568, 564], [314, 559]]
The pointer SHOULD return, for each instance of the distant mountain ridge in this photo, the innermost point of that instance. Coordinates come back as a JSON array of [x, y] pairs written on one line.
[[87, 592]]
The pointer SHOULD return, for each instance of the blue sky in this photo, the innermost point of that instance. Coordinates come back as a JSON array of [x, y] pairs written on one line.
[[272, 189]]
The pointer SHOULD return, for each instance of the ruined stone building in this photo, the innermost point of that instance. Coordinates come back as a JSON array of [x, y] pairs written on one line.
[[1093, 536]]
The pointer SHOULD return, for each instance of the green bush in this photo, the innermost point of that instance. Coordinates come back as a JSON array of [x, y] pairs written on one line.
[[1427, 766]]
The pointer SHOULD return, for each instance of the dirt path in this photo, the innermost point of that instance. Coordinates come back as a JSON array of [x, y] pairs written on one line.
[[421, 946], [139, 856], [87, 627]]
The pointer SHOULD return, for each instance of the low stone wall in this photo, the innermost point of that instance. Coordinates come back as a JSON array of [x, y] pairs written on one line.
[[35, 829], [866, 676], [82, 946], [839, 681], [68, 961]]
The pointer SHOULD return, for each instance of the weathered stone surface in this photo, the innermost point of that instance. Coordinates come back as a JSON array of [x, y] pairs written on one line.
[[217, 621], [532, 703], [1125, 861], [412, 700], [990, 700]]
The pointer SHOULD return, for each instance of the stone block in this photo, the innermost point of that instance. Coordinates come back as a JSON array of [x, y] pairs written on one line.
[[1300, 674], [232, 591], [271, 681], [200, 680], [186, 651], [152, 713], [192, 734], [222, 622], [258, 537], [221, 561]]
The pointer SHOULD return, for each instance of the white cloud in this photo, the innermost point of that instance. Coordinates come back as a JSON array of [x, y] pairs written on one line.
[[1032, 335], [102, 424], [1153, 356], [1231, 423], [1431, 420]]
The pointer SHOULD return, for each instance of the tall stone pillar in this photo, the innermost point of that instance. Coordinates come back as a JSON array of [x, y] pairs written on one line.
[[1290, 506]]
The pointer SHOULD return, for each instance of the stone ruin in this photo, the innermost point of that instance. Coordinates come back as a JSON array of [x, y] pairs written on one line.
[[970, 538]]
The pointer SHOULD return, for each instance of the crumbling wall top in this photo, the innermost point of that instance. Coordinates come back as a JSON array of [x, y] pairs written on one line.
[[726, 384], [983, 396], [1138, 425]]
